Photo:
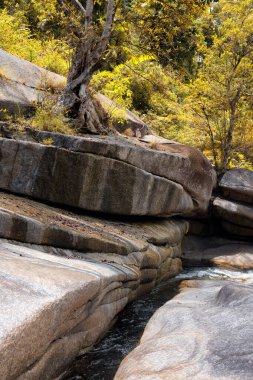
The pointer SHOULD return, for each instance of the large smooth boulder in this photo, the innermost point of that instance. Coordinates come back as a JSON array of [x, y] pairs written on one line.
[[237, 184], [109, 175], [204, 333], [23, 84], [53, 307]]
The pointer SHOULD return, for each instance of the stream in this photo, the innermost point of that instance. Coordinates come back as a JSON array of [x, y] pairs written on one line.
[[102, 362]]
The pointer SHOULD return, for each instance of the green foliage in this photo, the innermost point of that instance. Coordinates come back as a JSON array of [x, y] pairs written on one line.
[[16, 38], [140, 83], [221, 95], [167, 28], [155, 93], [47, 141], [114, 86]]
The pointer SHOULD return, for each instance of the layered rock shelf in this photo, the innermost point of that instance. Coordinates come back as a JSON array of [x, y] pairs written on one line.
[[86, 268], [67, 276], [151, 246], [109, 175]]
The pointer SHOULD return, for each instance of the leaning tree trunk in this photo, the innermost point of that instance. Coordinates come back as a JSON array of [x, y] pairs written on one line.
[[81, 104], [78, 100]]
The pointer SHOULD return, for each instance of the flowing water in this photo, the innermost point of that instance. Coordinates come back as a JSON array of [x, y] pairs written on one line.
[[103, 361]]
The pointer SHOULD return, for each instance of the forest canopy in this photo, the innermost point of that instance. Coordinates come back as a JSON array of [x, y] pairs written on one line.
[[185, 67]]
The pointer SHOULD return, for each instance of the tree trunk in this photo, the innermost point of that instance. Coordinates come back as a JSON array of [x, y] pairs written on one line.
[[84, 109], [77, 98], [91, 118], [81, 106]]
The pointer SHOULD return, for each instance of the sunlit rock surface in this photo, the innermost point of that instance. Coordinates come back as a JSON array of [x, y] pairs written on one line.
[[53, 307], [66, 276], [204, 333], [23, 84]]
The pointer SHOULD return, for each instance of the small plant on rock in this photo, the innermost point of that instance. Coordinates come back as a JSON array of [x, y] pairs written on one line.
[[48, 117]]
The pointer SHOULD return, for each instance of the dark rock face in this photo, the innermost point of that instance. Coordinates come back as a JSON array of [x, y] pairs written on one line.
[[224, 237], [235, 212], [234, 208], [109, 175], [217, 251], [237, 185], [204, 333], [237, 217]]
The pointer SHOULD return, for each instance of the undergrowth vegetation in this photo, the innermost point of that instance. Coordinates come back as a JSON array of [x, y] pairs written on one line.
[[184, 67], [49, 118]]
